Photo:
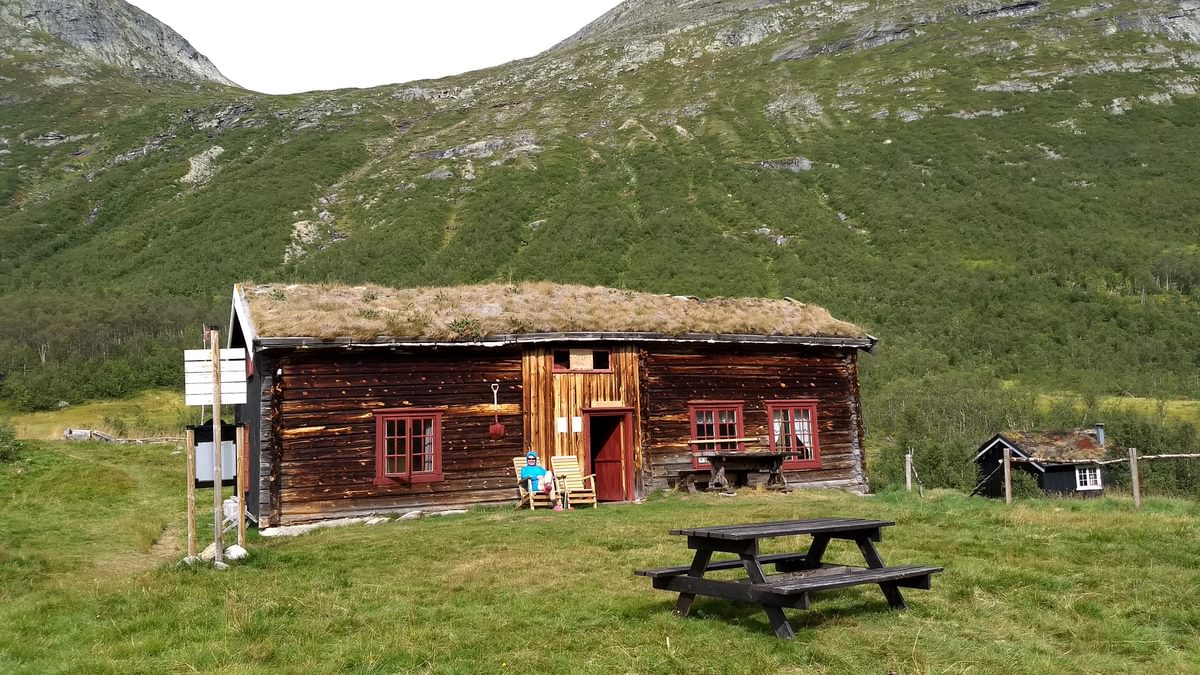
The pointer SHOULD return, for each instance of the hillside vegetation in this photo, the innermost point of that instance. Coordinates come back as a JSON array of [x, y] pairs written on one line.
[[1000, 193]]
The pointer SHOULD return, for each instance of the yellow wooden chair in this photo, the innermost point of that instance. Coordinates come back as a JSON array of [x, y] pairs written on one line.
[[533, 499], [580, 489]]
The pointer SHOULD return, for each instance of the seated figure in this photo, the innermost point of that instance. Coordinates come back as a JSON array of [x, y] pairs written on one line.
[[535, 478]]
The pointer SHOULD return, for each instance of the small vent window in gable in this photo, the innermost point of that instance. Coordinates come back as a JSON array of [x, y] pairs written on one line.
[[586, 360]]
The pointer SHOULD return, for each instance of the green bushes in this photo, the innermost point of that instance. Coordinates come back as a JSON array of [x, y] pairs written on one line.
[[944, 423], [10, 449]]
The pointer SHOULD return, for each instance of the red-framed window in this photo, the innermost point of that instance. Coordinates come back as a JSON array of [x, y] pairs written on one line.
[[582, 360], [408, 446], [793, 429], [713, 421]]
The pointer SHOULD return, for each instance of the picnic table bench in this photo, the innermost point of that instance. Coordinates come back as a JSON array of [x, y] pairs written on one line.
[[796, 574], [769, 462]]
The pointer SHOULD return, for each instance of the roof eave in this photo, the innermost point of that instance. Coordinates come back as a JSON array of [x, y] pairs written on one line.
[[864, 343], [239, 313]]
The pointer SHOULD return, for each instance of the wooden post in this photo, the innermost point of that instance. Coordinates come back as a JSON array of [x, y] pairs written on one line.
[[1007, 476], [218, 535], [1133, 473], [241, 484], [908, 471], [190, 444]]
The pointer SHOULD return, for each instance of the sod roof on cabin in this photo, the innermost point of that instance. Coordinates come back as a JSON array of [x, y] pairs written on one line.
[[473, 312], [1057, 446]]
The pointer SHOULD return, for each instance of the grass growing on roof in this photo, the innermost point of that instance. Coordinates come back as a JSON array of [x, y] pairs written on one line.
[[1043, 586], [326, 311]]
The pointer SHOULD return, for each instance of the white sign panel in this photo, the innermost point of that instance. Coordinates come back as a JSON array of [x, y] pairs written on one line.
[[198, 376], [204, 461]]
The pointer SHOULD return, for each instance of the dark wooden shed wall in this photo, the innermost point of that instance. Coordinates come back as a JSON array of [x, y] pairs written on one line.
[[324, 454], [1061, 480], [989, 467], [1056, 479], [674, 375]]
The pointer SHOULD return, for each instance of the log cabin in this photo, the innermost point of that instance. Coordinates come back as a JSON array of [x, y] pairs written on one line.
[[367, 400], [1062, 462]]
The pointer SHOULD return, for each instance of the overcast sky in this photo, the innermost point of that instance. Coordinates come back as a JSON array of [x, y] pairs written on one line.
[[288, 46]]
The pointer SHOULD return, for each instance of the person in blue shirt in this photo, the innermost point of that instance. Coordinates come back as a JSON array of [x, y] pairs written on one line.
[[537, 479]]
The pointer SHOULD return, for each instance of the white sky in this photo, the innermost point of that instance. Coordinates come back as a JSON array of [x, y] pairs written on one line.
[[288, 46]]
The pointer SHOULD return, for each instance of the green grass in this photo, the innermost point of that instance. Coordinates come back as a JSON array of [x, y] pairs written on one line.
[[1043, 586], [152, 413], [1183, 410]]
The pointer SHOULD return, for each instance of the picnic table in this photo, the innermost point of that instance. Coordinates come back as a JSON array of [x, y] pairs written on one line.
[[797, 574], [770, 462]]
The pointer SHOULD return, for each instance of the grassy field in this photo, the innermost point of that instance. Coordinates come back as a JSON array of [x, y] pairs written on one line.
[[89, 535], [1183, 410], [153, 413]]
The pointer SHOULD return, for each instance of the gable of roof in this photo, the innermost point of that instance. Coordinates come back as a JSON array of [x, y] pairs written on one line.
[[284, 314], [999, 439]]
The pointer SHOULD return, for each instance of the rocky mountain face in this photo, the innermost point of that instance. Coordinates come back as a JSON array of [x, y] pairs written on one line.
[[110, 32], [998, 187], [661, 17]]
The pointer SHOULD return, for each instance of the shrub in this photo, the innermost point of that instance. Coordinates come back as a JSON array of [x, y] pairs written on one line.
[[10, 448], [1025, 486]]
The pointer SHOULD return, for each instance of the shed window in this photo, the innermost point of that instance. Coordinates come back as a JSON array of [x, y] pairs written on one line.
[[716, 425], [794, 431], [582, 360], [408, 446], [1087, 478]]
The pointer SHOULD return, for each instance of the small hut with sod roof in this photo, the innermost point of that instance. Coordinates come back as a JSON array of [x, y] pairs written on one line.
[[368, 400], [1062, 462]]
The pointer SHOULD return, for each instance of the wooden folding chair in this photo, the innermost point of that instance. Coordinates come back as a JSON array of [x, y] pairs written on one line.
[[533, 499], [572, 481]]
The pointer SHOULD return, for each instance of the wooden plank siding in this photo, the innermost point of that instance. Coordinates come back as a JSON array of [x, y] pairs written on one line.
[[550, 395], [324, 429], [316, 441], [671, 376]]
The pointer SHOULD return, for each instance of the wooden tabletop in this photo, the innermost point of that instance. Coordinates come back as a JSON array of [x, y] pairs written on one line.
[[783, 528], [739, 453]]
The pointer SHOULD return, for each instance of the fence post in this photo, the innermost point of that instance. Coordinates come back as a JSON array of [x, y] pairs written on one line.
[[908, 471], [1007, 476], [190, 443], [218, 476], [1133, 473], [241, 447]]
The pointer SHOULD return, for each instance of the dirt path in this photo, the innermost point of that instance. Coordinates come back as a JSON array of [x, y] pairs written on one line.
[[166, 549]]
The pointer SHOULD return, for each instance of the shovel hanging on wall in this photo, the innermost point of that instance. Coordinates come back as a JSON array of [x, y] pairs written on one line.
[[496, 429]]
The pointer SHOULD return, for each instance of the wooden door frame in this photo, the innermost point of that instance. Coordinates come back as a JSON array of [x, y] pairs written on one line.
[[626, 415]]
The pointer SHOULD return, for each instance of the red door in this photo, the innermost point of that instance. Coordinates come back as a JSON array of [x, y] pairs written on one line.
[[607, 441]]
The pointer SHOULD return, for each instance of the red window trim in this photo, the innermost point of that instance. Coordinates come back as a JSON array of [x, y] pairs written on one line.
[[554, 367], [700, 406], [410, 477], [797, 404]]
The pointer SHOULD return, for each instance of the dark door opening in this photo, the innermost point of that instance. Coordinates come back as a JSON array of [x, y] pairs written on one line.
[[607, 449]]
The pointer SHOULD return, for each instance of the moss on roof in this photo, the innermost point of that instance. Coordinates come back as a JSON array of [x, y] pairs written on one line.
[[465, 312], [1057, 446]]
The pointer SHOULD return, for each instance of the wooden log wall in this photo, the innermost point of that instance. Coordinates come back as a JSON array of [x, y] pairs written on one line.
[[550, 395], [323, 404], [671, 376], [256, 414]]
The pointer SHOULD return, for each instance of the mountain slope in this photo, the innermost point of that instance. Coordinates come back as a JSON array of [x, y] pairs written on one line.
[[111, 32], [1002, 190]]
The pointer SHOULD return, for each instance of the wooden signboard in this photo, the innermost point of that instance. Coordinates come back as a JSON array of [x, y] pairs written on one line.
[[198, 376]]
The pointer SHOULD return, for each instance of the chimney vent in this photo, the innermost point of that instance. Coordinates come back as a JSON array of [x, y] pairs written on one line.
[[1100, 433]]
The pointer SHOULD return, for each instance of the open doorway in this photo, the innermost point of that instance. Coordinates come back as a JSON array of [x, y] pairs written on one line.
[[609, 443]]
